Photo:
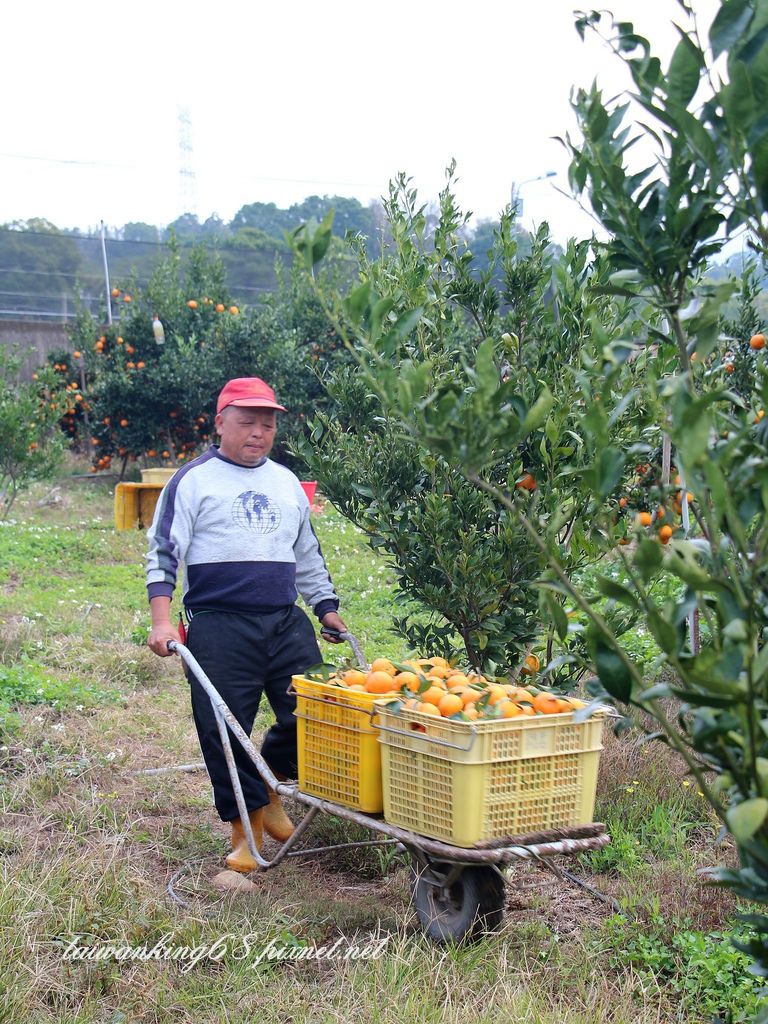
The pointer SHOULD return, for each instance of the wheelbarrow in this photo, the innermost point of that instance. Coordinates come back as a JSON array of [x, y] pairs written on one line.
[[458, 893]]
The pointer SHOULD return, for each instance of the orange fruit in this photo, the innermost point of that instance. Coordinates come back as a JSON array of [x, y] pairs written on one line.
[[660, 512], [469, 696], [451, 704], [759, 415], [378, 682], [518, 694], [526, 709], [354, 677], [438, 672], [428, 709], [407, 681], [456, 678], [140, 365], [77, 354], [622, 502], [471, 712], [357, 687], [115, 292], [433, 695], [383, 665], [644, 519], [665, 533], [508, 709], [729, 367], [546, 703], [757, 341], [219, 307], [527, 482], [435, 661], [127, 298], [530, 665], [497, 693], [234, 310], [192, 303]]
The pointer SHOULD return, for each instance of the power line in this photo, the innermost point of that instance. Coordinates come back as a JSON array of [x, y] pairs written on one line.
[[210, 242], [54, 160]]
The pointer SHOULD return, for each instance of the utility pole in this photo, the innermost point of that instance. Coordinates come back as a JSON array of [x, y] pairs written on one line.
[[106, 274]]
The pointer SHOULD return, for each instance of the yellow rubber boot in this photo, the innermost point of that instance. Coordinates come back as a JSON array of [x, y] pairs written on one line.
[[240, 858], [276, 822]]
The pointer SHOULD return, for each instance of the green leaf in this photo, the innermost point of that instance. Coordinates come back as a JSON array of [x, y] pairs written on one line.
[[730, 25], [538, 412], [610, 468], [402, 327], [559, 618], [760, 664], [738, 99], [610, 588], [681, 560], [612, 672], [664, 633], [746, 818], [356, 303], [759, 153], [322, 238], [684, 71], [648, 558]]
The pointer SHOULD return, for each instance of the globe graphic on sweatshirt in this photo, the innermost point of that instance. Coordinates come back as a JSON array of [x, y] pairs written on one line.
[[255, 512]]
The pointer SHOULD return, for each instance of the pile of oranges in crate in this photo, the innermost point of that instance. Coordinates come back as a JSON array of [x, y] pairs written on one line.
[[433, 686]]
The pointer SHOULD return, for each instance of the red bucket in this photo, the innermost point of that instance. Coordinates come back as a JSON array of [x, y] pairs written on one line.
[[309, 487]]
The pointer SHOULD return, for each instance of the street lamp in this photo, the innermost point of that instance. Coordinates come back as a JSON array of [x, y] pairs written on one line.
[[515, 198]]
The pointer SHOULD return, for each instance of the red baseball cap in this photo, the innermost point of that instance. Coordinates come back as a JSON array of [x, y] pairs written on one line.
[[248, 391]]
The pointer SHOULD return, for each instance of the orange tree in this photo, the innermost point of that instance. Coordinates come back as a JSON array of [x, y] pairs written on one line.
[[138, 391], [425, 308], [703, 117], [30, 443]]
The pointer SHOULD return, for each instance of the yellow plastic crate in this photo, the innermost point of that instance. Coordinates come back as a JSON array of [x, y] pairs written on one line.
[[135, 505], [339, 757], [464, 782]]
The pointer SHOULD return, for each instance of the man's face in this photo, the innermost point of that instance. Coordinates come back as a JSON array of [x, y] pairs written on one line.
[[247, 434]]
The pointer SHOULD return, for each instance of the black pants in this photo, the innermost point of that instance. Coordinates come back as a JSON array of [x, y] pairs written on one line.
[[244, 656]]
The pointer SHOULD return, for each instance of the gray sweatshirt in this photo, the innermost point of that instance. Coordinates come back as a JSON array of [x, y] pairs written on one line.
[[244, 536]]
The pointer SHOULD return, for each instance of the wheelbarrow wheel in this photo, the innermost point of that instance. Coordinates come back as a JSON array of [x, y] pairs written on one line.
[[457, 905]]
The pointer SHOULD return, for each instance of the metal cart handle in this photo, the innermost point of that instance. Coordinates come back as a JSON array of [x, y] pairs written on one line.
[[351, 640]]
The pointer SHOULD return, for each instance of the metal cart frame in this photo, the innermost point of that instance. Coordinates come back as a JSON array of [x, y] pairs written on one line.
[[457, 893]]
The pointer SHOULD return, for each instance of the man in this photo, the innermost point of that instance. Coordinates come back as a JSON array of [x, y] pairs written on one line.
[[240, 523]]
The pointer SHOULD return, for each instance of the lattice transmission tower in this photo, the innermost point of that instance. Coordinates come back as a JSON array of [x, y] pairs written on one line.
[[187, 177]]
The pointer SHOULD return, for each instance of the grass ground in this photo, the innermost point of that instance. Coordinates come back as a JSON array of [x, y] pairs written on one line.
[[87, 845]]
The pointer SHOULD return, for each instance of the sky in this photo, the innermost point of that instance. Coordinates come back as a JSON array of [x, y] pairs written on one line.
[[293, 98]]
